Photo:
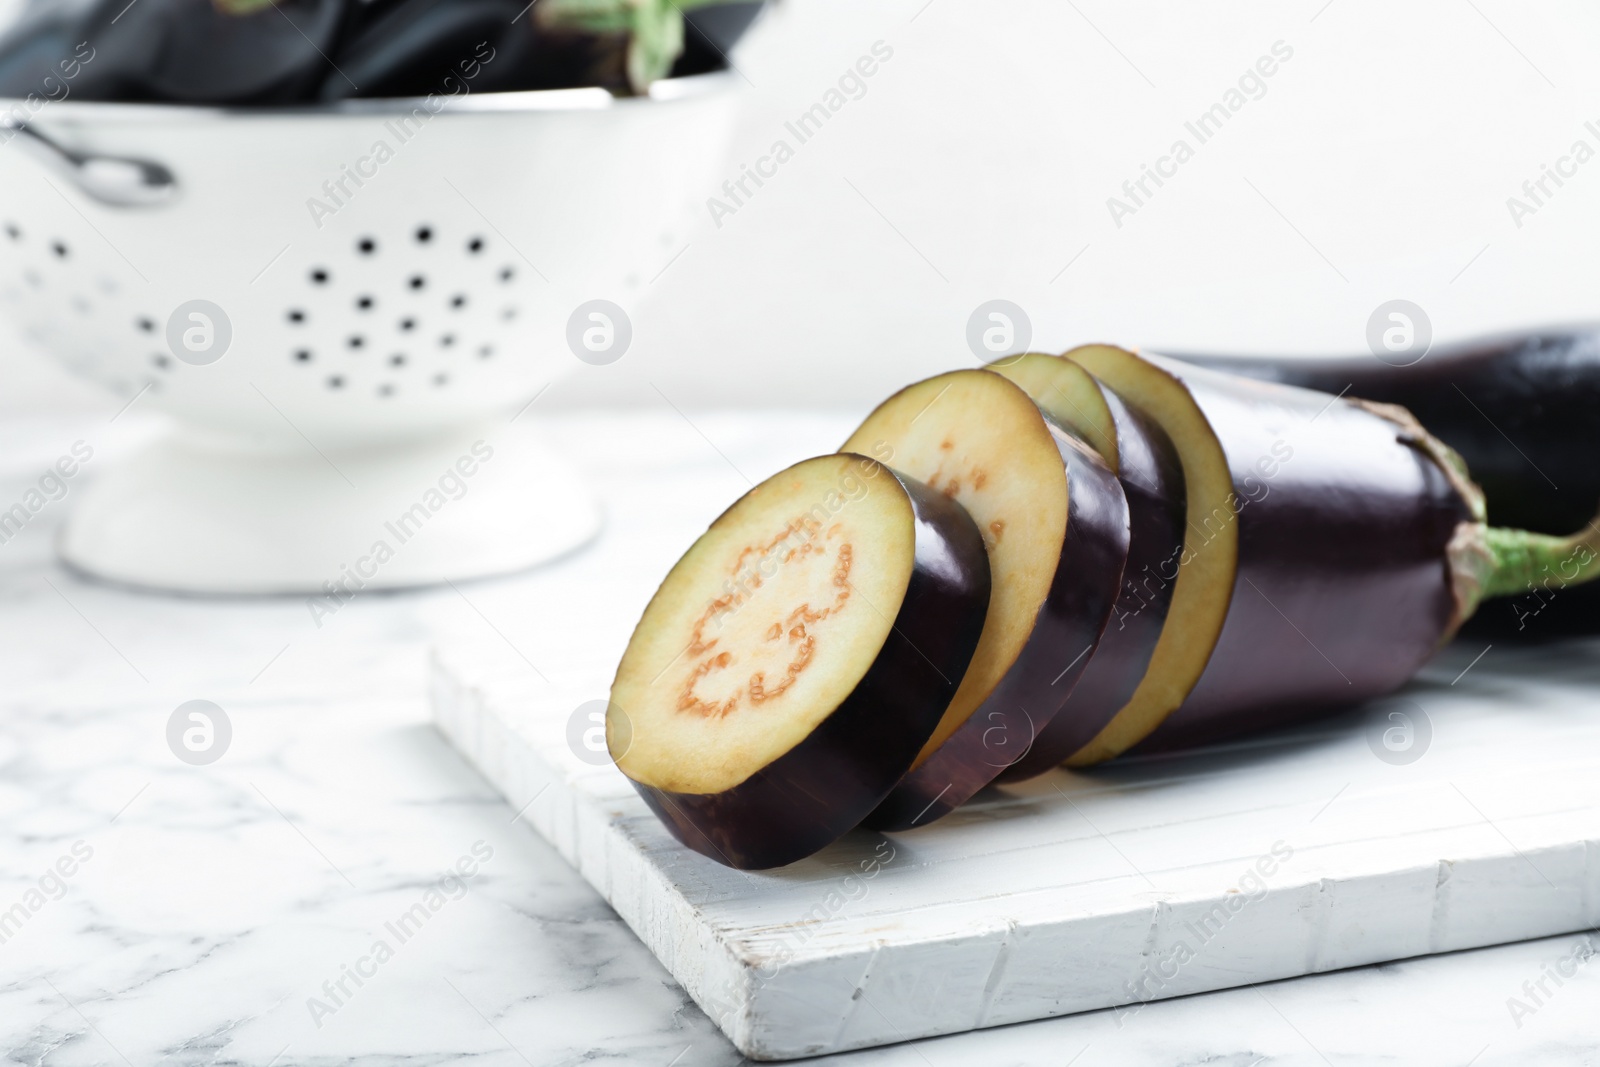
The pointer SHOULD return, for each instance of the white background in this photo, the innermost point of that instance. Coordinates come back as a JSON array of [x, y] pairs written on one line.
[[1376, 166]]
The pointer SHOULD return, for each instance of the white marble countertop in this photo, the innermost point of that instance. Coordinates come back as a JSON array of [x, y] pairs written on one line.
[[206, 906]]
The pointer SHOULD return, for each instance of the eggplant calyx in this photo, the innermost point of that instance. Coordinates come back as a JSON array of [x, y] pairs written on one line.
[[654, 29], [1447, 459], [1474, 563]]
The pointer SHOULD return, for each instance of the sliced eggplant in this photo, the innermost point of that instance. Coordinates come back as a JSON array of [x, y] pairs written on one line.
[[1055, 523], [1151, 474], [1327, 542], [794, 662]]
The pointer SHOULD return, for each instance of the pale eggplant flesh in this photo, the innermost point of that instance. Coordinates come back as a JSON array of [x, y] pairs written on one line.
[[797, 658], [1056, 525]]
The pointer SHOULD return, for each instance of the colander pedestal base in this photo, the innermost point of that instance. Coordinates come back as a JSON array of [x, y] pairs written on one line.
[[197, 515]]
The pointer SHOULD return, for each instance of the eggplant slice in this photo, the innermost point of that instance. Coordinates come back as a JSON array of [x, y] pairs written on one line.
[[1147, 465], [796, 659], [1317, 567], [1055, 523]]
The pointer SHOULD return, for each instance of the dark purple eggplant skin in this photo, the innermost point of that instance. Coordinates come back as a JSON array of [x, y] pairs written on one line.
[[1522, 409], [448, 47], [35, 55], [817, 791], [710, 33], [1152, 480], [1069, 625], [1342, 590], [190, 52]]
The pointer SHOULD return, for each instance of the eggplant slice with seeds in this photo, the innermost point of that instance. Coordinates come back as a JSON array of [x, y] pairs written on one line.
[[1151, 474], [795, 660], [1055, 524]]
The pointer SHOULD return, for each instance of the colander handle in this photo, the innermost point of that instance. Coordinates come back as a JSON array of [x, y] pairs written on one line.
[[113, 180]]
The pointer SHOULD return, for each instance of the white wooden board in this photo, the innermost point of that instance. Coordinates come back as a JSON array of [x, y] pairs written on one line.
[[1072, 892], [1083, 891]]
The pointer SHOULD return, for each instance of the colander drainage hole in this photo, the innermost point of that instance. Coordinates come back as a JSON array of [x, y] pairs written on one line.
[[386, 390], [441, 379], [13, 232], [296, 315], [459, 300], [417, 281], [507, 273], [407, 325], [397, 360], [319, 277], [303, 355], [364, 303], [147, 325], [161, 361], [366, 246], [447, 340], [424, 234], [475, 245], [59, 249], [509, 313], [336, 382], [486, 351]]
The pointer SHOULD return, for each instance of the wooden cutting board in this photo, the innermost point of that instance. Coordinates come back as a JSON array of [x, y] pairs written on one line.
[[1278, 856]]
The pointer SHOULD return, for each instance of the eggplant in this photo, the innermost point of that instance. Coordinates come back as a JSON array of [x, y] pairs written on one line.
[[418, 47], [1147, 465], [621, 45], [41, 57], [796, 659], [710, 33], [1055, 523], [1522, 409], [208, 51], [1333, 546]]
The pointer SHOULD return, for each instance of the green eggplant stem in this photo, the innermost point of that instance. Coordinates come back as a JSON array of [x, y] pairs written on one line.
[[1524, 561], [654, 29]]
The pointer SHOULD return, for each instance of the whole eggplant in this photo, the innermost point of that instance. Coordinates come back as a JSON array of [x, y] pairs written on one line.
[[227, 52], [1523, 410], [264, 52], [418, 47], [711, 32], [41, 57]]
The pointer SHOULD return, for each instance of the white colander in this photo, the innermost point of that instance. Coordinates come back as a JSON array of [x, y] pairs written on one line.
[[397, 278]]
